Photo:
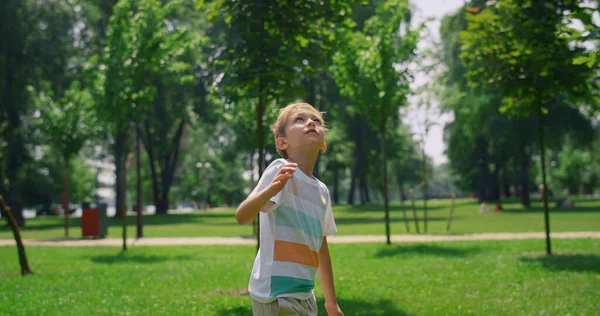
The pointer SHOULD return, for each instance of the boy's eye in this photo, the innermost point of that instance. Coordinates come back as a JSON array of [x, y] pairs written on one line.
[[299, 118], [317, 121]]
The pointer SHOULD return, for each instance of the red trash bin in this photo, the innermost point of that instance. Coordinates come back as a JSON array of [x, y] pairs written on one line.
[[93, 222]]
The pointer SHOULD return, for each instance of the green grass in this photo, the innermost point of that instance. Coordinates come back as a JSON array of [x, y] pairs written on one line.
[[450, 278], [351, 220]]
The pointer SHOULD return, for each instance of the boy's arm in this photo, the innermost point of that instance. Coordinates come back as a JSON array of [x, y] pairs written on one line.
[[325, 272], [254, 203]]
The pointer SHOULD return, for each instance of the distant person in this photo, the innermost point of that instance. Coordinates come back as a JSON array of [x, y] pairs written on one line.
[[569, 204], [552, 198], [498, 207], [483, 208], [295, 218], [550, 193]]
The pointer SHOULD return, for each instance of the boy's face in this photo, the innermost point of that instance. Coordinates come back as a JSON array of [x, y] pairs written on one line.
[[304, 132]]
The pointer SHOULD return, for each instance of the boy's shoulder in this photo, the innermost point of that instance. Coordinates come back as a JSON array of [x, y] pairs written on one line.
[[278, 161], [323, 186]]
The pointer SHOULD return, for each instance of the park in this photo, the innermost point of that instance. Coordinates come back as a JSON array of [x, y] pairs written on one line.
[[461, 153]]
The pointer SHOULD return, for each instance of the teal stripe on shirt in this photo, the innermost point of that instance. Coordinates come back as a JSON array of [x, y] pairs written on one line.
[[287, 216], [283, 284]]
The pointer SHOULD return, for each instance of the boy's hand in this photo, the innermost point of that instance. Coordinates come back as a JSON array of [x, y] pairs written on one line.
[[333, 309], [285, 173]]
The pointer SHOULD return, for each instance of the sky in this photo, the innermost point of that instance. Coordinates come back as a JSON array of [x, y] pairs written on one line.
[[434, 144]]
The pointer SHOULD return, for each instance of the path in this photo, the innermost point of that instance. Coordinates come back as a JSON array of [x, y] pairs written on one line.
[[332, 239]]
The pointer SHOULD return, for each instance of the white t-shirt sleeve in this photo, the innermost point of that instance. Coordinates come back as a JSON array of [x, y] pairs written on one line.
[[266, 179], [329, 227]]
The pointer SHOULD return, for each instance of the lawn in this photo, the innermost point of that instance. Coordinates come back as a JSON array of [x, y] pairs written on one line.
[[351, 220], [448, 278]]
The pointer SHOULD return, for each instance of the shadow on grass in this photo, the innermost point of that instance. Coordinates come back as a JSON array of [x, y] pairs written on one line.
[[552, 209], [369, 220], [567, 262], [424, 249], [372, 207], [58, 222], [235, 311], [73, 224], [374, 307], [10, 276], [127, 258]]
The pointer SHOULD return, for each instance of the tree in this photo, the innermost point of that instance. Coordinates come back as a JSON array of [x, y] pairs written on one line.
[[479, 139], [425, 117], [589, 33], [166, 48], [6, 213], [264, 47], [67, 124], [41, 180], [512, 47], [574, 167], [37, 45], [366, 70], [115, 106], [147, 80]]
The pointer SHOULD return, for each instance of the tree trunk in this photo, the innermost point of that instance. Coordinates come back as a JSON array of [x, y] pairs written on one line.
[[572, 185], [120, 158], [66, 197], [365, 186], [6, 213], [493, 192], [384, 188], [424, 188], [124, 222], [362, 187], [9, 115], [357, 166], [545, 186], [170, 165], [121, 173], [450, 213], [354, 174], [336, 185], [506, 182], [254, 184], [414, 209], [483, 169], [153, 172], [260, 134], [402, 198], [361, 168], [138, 177], [587, 189], [516, 175], [524, 176], [402, 193]]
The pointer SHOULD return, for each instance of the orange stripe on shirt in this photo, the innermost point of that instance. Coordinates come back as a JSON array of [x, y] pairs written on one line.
[[297, 253]]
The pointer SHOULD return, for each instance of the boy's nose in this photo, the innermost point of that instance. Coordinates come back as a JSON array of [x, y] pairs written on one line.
[[310, 122]]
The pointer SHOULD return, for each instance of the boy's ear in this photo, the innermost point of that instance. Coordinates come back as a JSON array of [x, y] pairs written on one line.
[[324, 147], [281, 143]]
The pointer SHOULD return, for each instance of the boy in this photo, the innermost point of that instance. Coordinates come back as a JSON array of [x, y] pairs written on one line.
[[295, 218]]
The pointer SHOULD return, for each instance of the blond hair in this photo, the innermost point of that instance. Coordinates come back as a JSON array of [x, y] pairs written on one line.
[[278, 128]]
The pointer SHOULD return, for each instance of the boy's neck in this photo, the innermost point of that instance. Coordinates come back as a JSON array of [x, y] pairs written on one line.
[[306, 161]]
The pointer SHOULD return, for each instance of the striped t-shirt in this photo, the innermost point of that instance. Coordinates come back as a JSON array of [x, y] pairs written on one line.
[[291, 233]]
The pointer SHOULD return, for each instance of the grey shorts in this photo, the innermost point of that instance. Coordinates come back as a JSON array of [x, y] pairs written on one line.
[[286, 306]]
